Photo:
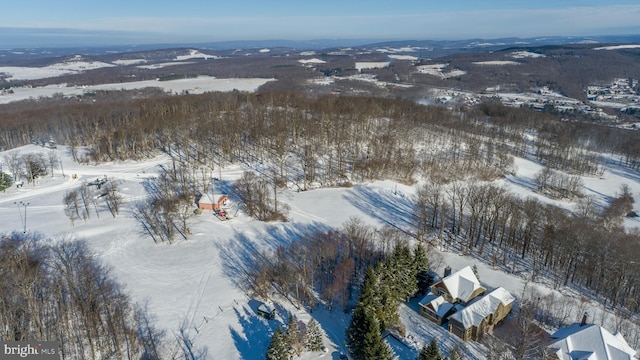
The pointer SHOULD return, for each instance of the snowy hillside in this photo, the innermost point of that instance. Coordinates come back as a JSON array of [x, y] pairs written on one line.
[[192, 287]]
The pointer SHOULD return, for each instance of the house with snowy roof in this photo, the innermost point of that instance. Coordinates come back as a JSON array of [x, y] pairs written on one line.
[[450, 294], [459, 287], [215, 202], [479, 317], [582, 341], [436, 308]]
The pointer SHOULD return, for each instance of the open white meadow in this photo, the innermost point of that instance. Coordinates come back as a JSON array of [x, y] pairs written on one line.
[[618, 47], [371, 65], [72, 66], [197, 85], [496, 62]]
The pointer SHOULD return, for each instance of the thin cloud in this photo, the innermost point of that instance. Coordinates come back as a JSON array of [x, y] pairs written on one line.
[[587, 20]]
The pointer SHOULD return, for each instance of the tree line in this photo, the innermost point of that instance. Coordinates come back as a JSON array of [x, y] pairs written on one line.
[[587, 248], [328, 139]]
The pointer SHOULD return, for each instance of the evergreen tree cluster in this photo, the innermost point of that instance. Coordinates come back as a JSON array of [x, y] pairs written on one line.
[[432, 352], [278, 347], [5, 181], [393, 281], [296, 339]]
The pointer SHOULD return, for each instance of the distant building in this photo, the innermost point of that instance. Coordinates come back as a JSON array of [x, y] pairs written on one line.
[[589, 342], [266, 311], [214, 202]]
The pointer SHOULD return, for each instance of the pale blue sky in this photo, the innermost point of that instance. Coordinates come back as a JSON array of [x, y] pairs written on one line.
[[137, 21]]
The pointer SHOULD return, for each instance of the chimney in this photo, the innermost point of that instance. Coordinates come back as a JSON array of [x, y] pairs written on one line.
[[583, 322], [447, 271]]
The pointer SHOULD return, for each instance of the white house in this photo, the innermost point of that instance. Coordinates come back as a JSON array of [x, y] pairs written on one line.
[[589, 342]]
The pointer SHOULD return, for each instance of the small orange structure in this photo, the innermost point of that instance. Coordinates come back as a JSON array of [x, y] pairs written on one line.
[[214, 202]]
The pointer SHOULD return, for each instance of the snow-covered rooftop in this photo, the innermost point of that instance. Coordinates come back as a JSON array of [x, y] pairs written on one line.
[[211, 198], [436, 303], [590, 342], [483, 307], [462, 284]]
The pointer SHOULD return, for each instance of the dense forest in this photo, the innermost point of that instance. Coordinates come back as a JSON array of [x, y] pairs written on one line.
[[308, 142]]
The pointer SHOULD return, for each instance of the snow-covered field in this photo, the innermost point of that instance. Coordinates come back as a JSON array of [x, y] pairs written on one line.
[[72, 66], [197, 85], [403, 57], [618, 47], [371, 65], [311, 61], [440, 70], [126, 62], [526, 54], [195, 54], [192, 285], [78, 64], [163, 65], [497, 62]]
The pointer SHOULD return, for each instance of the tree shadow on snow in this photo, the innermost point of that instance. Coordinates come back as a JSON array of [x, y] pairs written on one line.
[[394, 209], [241, 255], [253, 341], [223, 187], [523, 182]]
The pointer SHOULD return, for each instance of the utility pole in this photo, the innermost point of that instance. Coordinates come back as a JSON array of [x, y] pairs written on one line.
[[19, 212], [25, 216], [23, 219]]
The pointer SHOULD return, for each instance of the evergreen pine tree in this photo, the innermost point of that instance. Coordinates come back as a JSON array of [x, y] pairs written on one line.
[[5, 181], [402, 266], [423, 353], [293, 335], [314, 336], [421, 264], [374, 346], [278, 348], [455, 354], [386, 308], [369, 293], [411, 273], [430, 352], [420, 261], [356, 331], [363, 336]]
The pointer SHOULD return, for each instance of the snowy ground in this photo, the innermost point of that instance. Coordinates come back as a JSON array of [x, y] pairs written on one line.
[[192, 285], [197, 85], [497, 62]]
